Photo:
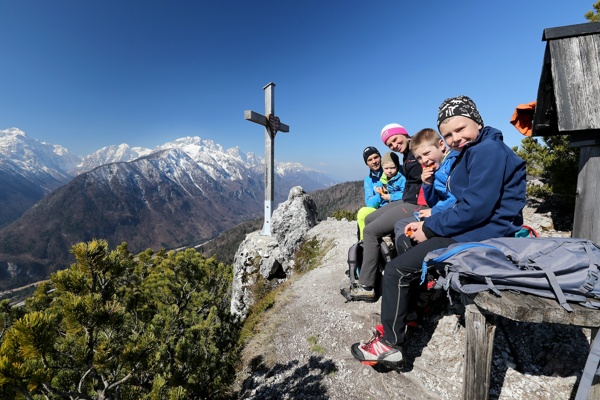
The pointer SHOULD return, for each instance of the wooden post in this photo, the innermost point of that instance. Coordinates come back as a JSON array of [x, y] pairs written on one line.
[[587, 214], [272, 125], [478, 355], [595, 389]]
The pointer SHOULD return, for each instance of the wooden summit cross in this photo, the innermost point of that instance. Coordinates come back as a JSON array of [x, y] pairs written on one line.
[[272, 126]]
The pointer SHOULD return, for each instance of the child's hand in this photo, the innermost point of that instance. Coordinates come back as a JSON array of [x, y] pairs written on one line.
[[426, 213], [385, 196], [427, 174], [414, 230], [381, 190]]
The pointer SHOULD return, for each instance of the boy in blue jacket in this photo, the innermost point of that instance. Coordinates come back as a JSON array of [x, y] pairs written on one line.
[[488, 181], [392, 183], [437, 159]]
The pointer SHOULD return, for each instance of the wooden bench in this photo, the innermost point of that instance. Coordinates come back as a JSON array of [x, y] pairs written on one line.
[[517, 307]]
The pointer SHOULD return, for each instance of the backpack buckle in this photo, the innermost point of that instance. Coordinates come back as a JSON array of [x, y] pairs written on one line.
[[590, 281]]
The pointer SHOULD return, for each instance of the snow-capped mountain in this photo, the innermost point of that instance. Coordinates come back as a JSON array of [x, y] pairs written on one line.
[[29, 170], [36, 158], [32, 169], [219, 163], [107, 155]]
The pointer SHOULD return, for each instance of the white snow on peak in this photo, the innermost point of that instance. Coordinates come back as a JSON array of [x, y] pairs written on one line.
[[111, 154], [221, 165], [34, 155]]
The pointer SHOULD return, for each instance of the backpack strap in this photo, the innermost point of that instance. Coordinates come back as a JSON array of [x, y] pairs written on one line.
[[453, 280], [533, 257], [558, 293], [589, 283], [449, 253], [590, 369], [592, 275], [594, 305]]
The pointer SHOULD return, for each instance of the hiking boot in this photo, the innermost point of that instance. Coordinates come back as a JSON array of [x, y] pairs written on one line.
[[377, 351], [364, 293], [378, 330]]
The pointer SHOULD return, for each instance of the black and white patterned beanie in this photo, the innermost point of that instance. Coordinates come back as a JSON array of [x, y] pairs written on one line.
[[459, 105]]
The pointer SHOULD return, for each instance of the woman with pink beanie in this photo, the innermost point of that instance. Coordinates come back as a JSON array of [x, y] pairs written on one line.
[[381, 222]]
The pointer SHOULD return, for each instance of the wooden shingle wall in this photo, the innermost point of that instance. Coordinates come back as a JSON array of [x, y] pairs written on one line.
[[569, 91]]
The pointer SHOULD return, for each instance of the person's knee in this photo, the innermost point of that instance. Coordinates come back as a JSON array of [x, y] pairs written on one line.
[[397, 270], [369, 231], [391, 273], [363, 213], [403, 243]]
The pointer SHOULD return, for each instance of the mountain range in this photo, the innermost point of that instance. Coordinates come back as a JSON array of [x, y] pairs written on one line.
[[181, 193]]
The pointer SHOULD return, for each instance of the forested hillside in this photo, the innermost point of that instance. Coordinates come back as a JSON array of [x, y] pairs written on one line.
[[226, 244], [347, 196]]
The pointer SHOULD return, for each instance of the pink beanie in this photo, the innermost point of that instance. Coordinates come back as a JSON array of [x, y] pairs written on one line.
[[392, 130]]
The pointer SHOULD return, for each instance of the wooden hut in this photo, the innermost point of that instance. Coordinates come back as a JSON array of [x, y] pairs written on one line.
[[568, 102]]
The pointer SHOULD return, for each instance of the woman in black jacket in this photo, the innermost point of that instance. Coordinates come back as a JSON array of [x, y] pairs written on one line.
[[381, 222]]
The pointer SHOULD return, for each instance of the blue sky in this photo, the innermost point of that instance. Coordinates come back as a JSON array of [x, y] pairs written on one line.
[[89, 74]]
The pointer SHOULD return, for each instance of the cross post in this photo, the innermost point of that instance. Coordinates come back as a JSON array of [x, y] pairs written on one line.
[[272, 126]]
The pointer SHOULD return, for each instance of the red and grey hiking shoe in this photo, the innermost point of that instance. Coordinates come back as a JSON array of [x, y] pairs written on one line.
[[378, 330], [377, 351]]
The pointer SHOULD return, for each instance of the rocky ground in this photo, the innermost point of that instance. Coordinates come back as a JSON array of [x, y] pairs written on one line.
[[303, 348]]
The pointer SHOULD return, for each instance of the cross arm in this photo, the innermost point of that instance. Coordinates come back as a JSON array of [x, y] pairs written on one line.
[[262, 120]]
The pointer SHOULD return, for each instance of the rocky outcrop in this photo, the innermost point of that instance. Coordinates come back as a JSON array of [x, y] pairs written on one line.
[[266, 261]]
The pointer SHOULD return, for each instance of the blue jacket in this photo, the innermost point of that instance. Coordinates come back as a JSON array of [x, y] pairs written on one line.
[[395, 187], [488, 181], [438, 196], [372, 198]]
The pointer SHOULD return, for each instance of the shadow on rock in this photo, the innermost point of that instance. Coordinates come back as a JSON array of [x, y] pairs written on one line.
[[292, 380], [537, 349]]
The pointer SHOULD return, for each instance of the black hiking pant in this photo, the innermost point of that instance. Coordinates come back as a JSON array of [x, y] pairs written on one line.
[[399, 280]]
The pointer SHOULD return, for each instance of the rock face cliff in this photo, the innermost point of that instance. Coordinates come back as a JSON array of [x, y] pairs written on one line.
[[303, 348], [271, 258]]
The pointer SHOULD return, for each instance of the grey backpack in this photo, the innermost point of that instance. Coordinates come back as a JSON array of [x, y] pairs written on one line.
[[560, 268]]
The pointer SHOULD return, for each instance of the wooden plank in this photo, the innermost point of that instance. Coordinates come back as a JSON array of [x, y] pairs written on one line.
[[595, 389], [529, 308], [262, 120], [544, 117], [255, 117], [561, 32], [575, 72], [478, 355], [587, 214]]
